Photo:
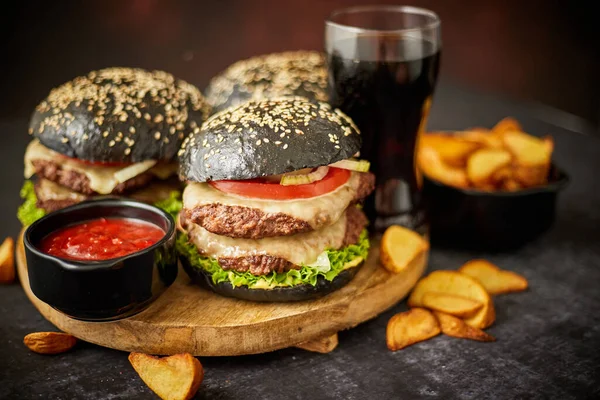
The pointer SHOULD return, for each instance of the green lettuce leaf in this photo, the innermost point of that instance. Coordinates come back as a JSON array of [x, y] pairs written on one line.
[[28, 212], [305, 275], [172, 205]]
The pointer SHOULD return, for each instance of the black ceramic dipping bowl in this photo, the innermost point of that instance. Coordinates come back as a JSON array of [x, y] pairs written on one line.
[[108, 289], [490, 221]]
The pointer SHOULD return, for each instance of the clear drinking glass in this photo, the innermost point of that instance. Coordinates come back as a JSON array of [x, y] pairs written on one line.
[[383, 65]]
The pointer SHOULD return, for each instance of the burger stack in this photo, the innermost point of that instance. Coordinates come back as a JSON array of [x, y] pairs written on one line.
[[269, 211], [271, 205], [114, 132]]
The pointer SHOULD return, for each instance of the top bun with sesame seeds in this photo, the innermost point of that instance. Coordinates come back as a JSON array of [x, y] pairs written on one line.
[[119, 115], [291, 73], [268, 137]]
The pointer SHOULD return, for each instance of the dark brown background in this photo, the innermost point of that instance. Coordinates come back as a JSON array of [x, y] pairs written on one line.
[[543, 51]]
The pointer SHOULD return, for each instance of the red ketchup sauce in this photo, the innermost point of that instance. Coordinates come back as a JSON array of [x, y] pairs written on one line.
[[101, 239]]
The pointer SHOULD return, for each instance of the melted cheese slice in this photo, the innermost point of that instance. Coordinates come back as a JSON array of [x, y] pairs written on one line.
[[102, 178], [303, 248], [156, 191], [318, 211], [47, 190]]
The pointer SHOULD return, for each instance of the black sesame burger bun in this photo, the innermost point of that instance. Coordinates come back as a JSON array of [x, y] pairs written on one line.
[[291, 73], [268, 137], [119, 115]]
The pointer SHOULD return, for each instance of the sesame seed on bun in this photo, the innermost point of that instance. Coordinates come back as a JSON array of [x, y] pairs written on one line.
[[268, 137], [292, 73], [119, 115]]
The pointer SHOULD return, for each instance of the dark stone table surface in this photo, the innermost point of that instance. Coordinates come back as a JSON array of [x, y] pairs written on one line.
[[548, 337]]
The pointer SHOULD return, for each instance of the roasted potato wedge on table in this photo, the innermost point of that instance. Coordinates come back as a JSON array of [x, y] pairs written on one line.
[[7, 261], [410, 327], [456, 327], [494, 279], [459, 306], [177, 377], [399, 247], [456, 283]]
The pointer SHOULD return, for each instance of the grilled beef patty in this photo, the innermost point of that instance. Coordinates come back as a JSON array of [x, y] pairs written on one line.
[[78, 182], [52, 196]]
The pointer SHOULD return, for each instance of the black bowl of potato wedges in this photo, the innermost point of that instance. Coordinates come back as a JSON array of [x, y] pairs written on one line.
[[491, 190]]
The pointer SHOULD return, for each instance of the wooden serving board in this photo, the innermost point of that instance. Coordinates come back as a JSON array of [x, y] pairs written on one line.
[[187, 318]]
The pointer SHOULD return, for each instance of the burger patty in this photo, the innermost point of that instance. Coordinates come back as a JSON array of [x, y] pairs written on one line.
[[265, 264], [53, 205], [51, 196], [78, 182], [253, 223], [245, 222], [257, 265]]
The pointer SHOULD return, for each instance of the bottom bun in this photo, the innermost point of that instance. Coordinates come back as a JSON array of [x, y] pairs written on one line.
[[278, 294]]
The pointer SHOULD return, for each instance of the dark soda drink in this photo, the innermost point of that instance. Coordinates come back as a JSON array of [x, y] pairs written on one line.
[[385, 85]]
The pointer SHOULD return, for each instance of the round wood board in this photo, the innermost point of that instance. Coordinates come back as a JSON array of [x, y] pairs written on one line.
[[187, 318]]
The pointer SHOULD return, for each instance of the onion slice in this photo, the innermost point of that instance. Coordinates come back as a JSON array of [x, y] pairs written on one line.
[[353, 165], [277, 178], [316, 175], [322, 263]]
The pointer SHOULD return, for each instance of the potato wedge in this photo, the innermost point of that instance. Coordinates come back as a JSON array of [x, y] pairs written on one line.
[[477, 157], [177, 377], [451, 148], [431, 164], [455, 283], [7, 261], [507, 124], [532, 176], [459, 306], [480, 129], [483, 138], [502, 175], [505, 179], [456, 327], [549, 143], [399, 247], [486, 187], [511, 185], [494, 279], [492, 138], [533, 156], [410, 327], [527, 149], [483, 163]]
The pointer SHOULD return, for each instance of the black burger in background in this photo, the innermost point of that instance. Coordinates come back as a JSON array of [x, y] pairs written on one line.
[[290, 73], [115, 132], [271, 206]]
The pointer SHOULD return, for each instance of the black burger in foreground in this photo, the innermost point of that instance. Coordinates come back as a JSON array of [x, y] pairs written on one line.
[[270, 209], [115, 132], [291, 73]]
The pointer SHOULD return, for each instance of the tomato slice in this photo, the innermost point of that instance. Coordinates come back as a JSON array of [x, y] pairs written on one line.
[[97, 163], [261, 189]]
